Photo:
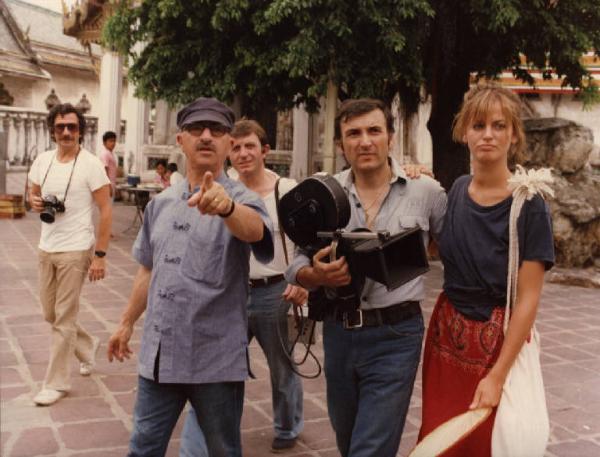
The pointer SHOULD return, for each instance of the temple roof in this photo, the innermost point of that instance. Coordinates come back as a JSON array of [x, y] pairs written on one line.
[[43, 29], [16, 55], [553, 85]]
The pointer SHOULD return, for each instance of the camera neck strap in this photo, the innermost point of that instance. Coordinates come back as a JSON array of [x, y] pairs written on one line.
[[285, 253], [70, 176]]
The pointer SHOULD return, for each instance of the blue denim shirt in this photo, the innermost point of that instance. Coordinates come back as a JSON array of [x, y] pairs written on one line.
[[196, 309], [409, 203]]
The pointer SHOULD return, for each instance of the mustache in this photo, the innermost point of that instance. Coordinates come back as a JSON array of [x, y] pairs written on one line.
[[205, 145]]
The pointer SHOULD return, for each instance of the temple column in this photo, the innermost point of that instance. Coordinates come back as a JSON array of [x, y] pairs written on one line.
[[300, 148], [111, 85], [137, 133], [161, 122]]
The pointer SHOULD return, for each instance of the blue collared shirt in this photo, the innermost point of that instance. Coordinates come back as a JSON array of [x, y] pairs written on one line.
[[409, 203], [196, 309]]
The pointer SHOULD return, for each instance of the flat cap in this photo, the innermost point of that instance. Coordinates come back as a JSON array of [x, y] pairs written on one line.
[[205, 109]]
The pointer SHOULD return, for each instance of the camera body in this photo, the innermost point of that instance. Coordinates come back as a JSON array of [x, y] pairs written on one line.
[[52, 205]]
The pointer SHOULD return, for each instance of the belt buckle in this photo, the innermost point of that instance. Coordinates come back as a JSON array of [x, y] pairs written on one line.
[[352, 319]]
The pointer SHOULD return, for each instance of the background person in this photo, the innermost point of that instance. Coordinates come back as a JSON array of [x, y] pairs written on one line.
[[370, 370], [466, 357], [68, 250], [193, 250], [270, 296], [109, 159], [161, 174], [173, 175]]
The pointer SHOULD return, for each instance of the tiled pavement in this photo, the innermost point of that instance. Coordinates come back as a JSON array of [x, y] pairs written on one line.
[[95, 419]]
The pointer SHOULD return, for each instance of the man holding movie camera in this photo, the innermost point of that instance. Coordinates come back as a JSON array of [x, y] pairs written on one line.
[[66, 183], [372, 354]]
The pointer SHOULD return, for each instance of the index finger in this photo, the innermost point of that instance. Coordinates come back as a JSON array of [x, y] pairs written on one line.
[[476, 399], [207, 180], [195, 199], [110, 349]]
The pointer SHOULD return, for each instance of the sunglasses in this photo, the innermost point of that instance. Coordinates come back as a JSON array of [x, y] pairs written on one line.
[[216, 129], [71, 127]]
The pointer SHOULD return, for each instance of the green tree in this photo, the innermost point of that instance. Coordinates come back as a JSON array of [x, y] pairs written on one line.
[[486, 37], [285, 52]]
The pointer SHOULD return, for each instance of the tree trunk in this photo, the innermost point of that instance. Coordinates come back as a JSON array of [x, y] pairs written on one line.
[[450, 159], [410, 136], [328, 142], [448, 80]]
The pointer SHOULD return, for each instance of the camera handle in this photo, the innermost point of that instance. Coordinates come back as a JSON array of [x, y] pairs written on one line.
[[334, 246], [382, 235]]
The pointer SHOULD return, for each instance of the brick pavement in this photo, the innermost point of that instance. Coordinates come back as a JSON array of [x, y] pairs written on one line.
[[95, 419]]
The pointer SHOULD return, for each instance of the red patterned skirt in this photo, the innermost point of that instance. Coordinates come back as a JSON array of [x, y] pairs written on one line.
[[458, 353]]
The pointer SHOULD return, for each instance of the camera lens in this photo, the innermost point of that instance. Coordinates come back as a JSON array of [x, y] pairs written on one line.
[[47, 215]]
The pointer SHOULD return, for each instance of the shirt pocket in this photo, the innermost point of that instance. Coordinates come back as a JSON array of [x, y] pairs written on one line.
[[204, 262], [408, 222]]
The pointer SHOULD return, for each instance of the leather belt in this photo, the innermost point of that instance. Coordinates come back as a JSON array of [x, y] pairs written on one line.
[[266, 281], [390, 315]]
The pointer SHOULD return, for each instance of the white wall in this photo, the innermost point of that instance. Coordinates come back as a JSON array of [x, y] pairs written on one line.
[[19, 89], [566, 107]]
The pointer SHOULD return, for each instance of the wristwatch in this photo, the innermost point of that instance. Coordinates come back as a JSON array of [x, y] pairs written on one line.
[[99, 253]]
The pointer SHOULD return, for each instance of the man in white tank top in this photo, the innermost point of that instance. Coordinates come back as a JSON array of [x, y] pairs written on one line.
[[66, 183]]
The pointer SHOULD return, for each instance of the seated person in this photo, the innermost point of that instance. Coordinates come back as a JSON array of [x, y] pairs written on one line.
[[161, 174], [173, 175]]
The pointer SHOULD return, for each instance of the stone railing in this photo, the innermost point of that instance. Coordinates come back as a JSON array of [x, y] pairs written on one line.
[[28, 133]]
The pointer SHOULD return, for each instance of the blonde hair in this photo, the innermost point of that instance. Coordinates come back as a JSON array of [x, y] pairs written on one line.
[[478, 102]]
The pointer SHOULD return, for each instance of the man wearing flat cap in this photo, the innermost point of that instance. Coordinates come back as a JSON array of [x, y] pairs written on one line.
[[193, 249]]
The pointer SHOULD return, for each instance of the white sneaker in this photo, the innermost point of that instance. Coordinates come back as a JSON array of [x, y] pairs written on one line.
[[47, 397], [85, 368]]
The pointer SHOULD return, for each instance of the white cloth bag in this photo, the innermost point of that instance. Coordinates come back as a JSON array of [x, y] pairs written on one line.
[[522, 427]]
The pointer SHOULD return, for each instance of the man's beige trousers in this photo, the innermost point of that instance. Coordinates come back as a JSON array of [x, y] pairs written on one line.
[[61, 278]]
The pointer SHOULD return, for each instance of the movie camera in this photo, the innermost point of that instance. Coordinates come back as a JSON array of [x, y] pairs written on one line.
[[313, 215]]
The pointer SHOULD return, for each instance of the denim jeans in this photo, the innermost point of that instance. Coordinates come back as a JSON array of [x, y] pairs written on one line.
[[266, 311], [267, 322], [158, 406], [370, 374]]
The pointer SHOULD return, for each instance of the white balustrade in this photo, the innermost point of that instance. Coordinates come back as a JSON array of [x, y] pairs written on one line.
[[28, 133]]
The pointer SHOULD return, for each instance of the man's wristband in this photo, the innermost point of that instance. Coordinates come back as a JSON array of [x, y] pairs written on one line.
[[100, 253], [230, 212]]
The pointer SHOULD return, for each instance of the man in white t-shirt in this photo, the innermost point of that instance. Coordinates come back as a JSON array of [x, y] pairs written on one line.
[[75, 180], [270, 296]]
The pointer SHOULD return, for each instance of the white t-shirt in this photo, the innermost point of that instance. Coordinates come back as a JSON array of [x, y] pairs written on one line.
[[72, 230], [176, 178], [277, 265]]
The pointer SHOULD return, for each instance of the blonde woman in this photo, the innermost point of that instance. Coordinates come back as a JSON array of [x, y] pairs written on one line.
[[467, 357]]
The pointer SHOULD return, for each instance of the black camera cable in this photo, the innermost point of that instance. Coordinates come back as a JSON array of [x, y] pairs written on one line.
[[70, 176], [301, 322]]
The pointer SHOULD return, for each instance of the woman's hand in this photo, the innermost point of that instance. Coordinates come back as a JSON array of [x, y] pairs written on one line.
[[488, 392], [415, 170]]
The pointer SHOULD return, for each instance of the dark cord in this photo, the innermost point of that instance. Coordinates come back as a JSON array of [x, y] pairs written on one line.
[[301, 322]]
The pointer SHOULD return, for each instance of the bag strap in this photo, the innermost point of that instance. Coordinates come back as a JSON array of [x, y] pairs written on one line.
[[285, 252], [524, 185]]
